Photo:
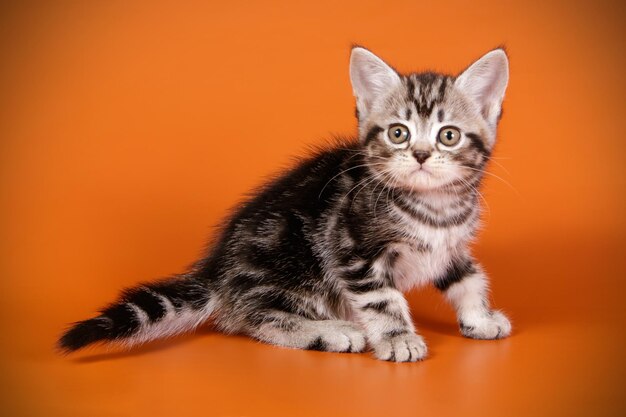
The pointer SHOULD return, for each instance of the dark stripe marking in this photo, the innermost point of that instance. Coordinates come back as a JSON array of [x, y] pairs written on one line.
[[477, 143], [356, 274], [363, 287], [124, 320], [393, 333], [455, 220], [317, 344], [442, 89], [146, 301], [410, 88], [372, 133], [181, 292], [455, 273], [378, 306], [277, 300]]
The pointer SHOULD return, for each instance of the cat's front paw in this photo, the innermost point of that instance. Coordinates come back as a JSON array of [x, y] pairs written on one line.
[[490, 325], [407, 347]]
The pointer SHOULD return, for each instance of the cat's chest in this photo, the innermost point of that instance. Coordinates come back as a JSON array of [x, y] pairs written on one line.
[[421, 261]]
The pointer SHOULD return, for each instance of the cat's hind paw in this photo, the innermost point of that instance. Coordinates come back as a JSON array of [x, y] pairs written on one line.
[[336, 336]]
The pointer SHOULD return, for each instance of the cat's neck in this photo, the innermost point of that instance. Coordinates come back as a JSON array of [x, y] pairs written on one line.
[[444, 197]]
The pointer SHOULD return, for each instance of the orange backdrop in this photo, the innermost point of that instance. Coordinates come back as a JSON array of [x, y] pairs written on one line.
[[127, 129]]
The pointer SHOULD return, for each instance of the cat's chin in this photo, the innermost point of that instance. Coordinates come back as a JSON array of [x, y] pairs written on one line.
[[422, 181], [423, 187]]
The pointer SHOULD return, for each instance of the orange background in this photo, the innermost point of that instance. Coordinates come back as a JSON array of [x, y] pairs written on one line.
[[128, 129]]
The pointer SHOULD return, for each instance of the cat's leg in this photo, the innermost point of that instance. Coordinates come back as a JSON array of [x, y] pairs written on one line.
[[258, 306], [384, 314], [294, 331], [466, 287]]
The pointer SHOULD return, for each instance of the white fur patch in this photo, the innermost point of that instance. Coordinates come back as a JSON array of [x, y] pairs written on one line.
[[171, 324]]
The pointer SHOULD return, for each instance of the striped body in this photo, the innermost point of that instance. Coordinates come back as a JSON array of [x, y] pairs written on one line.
[[319, 257]]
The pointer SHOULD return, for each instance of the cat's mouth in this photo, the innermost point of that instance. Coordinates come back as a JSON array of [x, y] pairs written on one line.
[[421, 170]]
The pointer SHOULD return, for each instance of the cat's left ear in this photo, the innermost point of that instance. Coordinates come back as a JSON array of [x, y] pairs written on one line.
[[485, 82], [371, 79]]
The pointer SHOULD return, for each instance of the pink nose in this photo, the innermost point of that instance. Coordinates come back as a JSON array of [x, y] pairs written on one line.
[[421, 156]]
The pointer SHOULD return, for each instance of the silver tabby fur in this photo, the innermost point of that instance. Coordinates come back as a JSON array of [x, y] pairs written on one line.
[[319, 257]]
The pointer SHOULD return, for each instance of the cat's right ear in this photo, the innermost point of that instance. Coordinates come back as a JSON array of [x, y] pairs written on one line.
[[371, 78]]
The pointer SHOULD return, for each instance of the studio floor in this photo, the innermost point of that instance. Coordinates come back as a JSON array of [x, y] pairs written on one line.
[[565, 358]]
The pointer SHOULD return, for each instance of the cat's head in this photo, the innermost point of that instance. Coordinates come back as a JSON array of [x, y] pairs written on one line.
[[426, 131]]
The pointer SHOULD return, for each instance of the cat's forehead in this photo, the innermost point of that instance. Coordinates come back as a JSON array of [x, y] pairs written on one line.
[[421, 94], [425, 91]]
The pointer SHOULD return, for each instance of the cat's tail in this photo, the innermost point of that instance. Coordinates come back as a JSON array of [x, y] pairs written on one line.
[[145, 312]]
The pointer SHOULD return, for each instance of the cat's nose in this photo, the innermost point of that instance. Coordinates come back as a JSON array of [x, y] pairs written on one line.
[[421, 156]]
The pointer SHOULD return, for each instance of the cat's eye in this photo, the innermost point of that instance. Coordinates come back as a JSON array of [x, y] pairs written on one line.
[[449, 135], [398, 133]]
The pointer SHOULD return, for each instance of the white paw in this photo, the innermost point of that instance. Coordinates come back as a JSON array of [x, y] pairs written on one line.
[[491, 325], [337, 336], [407, 347]]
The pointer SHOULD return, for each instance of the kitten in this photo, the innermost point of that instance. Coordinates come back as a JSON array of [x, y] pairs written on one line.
[[319, 257]]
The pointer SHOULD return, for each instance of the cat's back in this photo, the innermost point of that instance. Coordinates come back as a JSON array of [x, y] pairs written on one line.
[[309, 186], [280, 215]]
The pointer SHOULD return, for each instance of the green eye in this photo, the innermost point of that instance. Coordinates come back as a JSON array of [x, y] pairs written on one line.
[[449, 135], [398, 133]]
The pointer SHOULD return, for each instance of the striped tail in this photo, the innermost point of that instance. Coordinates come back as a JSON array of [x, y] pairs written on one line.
[[146, 312]]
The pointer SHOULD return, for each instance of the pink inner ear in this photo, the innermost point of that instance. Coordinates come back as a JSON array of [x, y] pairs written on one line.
[[370, 76], [485, 81]]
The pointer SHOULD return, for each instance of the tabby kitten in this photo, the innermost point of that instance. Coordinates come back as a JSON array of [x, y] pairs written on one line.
[[319, 257]]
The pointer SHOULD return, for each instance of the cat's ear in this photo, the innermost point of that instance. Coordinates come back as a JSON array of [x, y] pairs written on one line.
[[485, 82], [371, 77]]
